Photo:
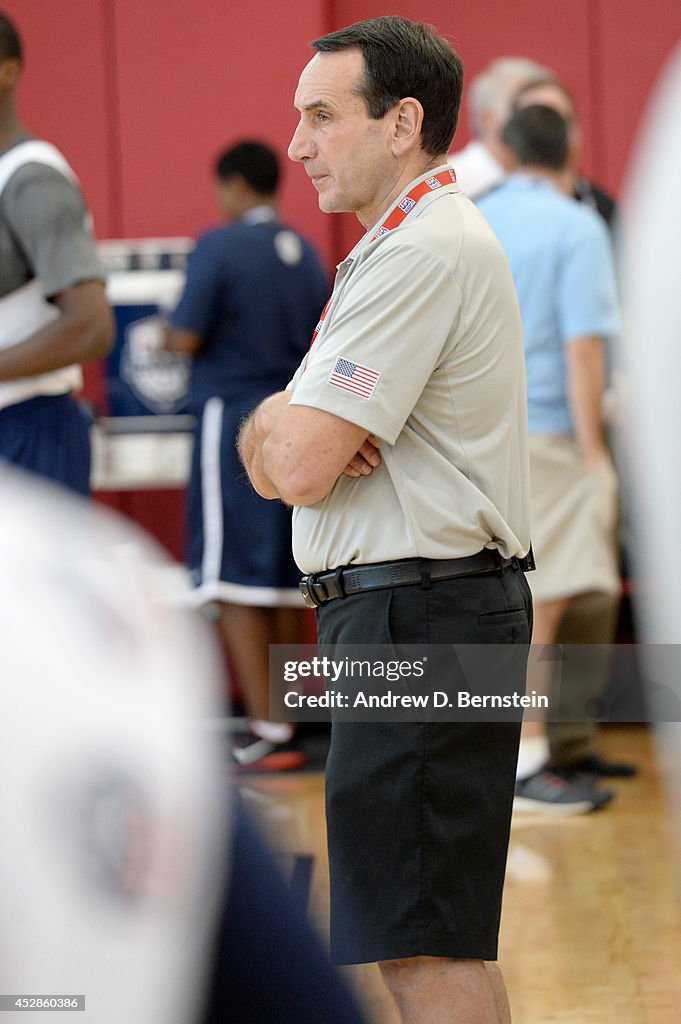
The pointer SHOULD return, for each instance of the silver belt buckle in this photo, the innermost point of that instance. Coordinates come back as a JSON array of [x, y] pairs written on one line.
[[306, 590]]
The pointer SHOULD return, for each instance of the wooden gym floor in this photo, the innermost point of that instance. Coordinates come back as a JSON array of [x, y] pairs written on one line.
[[591, 927]]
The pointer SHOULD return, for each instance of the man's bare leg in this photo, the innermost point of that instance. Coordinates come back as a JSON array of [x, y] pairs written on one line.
[[439, 990], [499, 989], [246, 634], [288, 626]]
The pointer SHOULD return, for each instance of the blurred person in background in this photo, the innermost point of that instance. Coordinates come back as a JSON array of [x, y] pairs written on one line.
[[483, 162], [551, 92], [54, 315], [254, 292], [563, 269], [591, 619], [507, 84]]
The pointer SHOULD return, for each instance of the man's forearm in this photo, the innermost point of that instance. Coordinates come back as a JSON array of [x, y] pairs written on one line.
[[586, 385], [253, 436], [82, 332]]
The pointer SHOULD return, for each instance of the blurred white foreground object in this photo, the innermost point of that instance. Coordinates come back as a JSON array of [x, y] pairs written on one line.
[[650, 414], [112, 800]]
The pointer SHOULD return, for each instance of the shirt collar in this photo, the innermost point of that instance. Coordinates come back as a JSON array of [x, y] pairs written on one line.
[[525, 179], [264, 214], [426, 200]]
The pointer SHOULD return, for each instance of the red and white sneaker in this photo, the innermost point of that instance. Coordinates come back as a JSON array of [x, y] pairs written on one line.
[[252, 753]]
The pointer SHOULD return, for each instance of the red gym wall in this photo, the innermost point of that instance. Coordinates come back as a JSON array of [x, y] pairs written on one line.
[[141, 97]]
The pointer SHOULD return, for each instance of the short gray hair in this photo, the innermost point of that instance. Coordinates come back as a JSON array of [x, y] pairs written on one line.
[[495, 87]]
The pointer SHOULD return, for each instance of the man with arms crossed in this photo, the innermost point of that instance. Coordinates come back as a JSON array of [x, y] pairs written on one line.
[[402, 444]]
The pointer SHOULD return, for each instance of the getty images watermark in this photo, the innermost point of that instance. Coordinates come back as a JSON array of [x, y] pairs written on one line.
[[363, 693], [470, 682]]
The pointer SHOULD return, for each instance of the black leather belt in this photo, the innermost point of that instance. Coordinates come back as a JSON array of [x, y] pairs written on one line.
[[320, 587]]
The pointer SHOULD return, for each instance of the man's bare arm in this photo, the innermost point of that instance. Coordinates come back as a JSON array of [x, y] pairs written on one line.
[[297, 453], [252, 437], [84, 331], [178, 340], [586, 386]]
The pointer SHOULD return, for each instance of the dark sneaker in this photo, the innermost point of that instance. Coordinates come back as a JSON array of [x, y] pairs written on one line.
[[599, 767], [547, 792], [251, 753]]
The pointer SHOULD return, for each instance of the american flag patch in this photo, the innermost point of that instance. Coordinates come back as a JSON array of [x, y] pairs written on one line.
[[354, 377], [433, 183]]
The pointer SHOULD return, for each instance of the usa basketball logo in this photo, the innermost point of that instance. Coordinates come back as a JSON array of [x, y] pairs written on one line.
[[433, 183], [407, 204], [381, 231]]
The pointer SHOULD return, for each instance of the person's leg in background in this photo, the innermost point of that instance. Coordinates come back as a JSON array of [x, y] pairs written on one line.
[[574, 512], [591, 619], [246, 633], [543, 787], [534, 747]]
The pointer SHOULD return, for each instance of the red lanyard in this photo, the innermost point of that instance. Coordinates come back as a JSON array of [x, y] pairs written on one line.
[[394, 219], [447, 177], [321, 321]]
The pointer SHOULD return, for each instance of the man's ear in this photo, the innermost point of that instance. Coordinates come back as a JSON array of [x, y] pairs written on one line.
[[407, 125], [490, 125], [10, 69]]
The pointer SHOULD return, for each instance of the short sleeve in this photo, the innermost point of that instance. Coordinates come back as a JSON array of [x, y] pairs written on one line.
[[384, 335], [47, 213], [199, 304], [587, 292]]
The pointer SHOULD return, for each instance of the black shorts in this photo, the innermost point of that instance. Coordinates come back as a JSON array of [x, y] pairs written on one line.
[[419, 813]]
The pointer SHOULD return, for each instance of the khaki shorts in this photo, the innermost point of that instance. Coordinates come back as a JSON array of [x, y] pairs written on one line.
[[574, 521]]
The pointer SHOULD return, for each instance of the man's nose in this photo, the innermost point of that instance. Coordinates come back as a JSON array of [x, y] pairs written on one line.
[[300, 145]]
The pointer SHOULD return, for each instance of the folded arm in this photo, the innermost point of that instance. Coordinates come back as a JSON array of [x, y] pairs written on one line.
[[297, 453]]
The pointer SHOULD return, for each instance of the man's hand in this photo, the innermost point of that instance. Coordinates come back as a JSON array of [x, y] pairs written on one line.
[[178, 340], [297, 453], [252, 437], [367, 459]]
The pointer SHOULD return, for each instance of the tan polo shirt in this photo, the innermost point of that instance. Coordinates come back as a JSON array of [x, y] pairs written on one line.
[[422, 346]]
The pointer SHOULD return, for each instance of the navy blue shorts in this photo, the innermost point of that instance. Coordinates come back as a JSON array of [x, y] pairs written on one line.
[[48, 435], [419, 813], [239, 543]]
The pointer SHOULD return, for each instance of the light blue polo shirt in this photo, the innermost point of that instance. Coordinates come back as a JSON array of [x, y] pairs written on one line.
[[562, 263]]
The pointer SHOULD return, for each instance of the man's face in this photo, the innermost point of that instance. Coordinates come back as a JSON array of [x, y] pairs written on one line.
[[346, 153]]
